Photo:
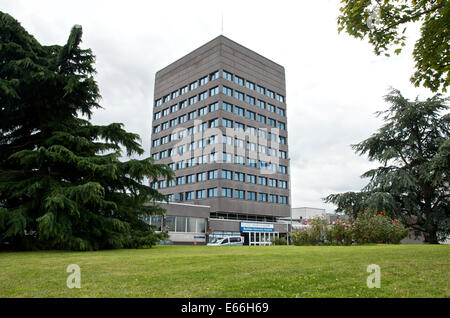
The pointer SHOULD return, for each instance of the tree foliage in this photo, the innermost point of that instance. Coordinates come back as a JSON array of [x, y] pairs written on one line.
[[384, 24], [62, 185], [413, 181]]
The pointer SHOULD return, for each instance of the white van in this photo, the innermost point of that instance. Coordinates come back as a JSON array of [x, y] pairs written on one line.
[[227, 241]]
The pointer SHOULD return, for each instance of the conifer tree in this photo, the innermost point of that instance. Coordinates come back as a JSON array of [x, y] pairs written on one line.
[[62, 185]]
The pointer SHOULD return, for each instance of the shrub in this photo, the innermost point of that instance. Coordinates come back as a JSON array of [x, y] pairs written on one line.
[[369, 227], [279, 241]]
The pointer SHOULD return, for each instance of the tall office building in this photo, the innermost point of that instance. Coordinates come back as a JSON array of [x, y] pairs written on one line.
[[219, 121]]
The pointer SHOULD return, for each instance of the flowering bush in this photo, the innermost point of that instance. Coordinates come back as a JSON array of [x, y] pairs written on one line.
[[369, 227], [373, 227]]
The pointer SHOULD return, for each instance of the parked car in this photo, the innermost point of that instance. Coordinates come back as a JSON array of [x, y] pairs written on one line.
[[227, 241]]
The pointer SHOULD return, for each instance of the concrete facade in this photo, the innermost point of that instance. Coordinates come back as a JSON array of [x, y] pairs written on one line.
[[252, 152]]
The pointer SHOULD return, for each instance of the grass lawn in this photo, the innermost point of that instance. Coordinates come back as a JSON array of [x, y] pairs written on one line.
[[240, 271]]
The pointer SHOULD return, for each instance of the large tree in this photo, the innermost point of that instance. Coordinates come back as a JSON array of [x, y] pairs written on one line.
[[384, 23], [413, 181], [62, 184]]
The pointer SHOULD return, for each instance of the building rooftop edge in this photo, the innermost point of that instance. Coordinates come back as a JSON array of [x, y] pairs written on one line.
[[215, 39]]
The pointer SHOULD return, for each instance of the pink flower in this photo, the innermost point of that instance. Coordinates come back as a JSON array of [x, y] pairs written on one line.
[[395, 220], [346, 228]]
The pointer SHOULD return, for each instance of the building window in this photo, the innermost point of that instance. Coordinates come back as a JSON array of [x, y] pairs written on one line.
[[175, 94], [251, 115], [281, 126], [227, 91], [282, 169], [239, 194], [226, 75], [281, 112], [261, 89], [282, 184], [201, 194], [203, 111], [282, 140], [180, 180], [214, 91], [203, 95], [239, 176], [227, 193], [165, 125], [271, 108], [239, 143], [239, 126], [239, 80], [280, 98], [158, 102], [173, 108], [271, 122], [157, 116], [214, 76], [283, 199], [249, 99], [192, 100], [239, 110], [226, 157], [226, 174], [212, 192], [251, 163], [193, 85], [261, 118], [183, 90], [270, 94], [273, 198], [227, 123], [190, 178], [250, 85], [213, 174], [251, 146], [227, 107], [251, 130], [201, 176], [192, 115], [190, 195], [213, 107], [239, 95], [239, 160], [251, 196], [262, 197], [262, 181], [227, 140], [282, 154], [203, 80], [261, 104], [273, 183], [213, 123], [251, 178], [183, 104]]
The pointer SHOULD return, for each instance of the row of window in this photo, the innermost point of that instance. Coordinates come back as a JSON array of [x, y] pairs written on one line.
[[212, 123], [228, 193], [183, 90], [214, 158], [207, 78], [202, 143], [226, 175], [225, 106], [250, 85], [178, 223]]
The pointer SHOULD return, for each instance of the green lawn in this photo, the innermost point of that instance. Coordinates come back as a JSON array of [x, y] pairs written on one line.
[[241, 271]]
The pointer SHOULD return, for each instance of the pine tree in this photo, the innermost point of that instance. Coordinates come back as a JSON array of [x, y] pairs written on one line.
[[412, 183], [62, 185]]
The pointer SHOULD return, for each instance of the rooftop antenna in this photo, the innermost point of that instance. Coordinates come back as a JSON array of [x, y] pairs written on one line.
[[222, 23]]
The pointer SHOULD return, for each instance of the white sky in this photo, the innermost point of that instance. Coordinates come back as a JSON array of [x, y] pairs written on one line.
[[335, 83]]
